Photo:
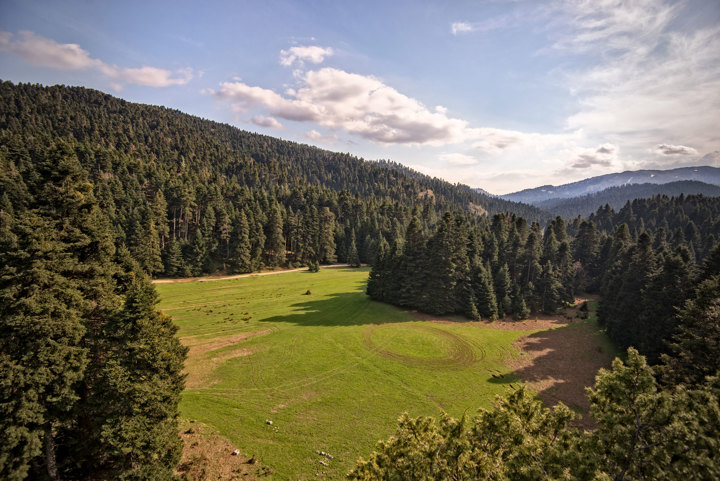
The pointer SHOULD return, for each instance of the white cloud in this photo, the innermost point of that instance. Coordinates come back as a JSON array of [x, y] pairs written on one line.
[[602, 156], [365, 106], [667, 149], [311, 53], [457, 158], [46, 52], [319, 137], [269, 122], [355, 103], [653, 82], [458, 28]]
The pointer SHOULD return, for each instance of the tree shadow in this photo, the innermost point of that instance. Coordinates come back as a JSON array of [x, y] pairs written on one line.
[[560, 363], [350, 308]]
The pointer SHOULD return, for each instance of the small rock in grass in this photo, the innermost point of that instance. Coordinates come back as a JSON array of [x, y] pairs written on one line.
[[268, 422]]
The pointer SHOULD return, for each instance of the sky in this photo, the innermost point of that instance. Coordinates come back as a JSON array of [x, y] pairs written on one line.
[[500, 95]]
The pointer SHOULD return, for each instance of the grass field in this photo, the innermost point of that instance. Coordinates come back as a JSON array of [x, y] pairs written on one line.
[[331, 369]]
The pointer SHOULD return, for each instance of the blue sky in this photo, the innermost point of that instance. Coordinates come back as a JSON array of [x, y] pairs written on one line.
[[501, 95]]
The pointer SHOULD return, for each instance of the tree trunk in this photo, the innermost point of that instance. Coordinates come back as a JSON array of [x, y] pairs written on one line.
[[50, 452]]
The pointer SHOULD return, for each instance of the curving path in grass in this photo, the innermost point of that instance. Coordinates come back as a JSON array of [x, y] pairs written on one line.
[[332, 370]]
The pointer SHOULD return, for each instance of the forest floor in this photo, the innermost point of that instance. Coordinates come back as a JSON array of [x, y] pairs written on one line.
[[304, 373]]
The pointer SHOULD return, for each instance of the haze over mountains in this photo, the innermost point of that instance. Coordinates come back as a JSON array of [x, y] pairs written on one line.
[[706, 174], [584, 197]]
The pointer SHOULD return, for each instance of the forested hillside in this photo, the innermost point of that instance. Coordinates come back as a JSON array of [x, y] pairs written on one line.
[[190, 196], [645, 260], [617, 197]]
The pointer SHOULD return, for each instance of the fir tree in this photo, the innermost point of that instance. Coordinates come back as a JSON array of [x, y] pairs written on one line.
[[695, 348], [352, 257]]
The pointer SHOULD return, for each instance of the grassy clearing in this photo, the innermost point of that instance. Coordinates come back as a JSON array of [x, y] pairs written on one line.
[[332, 370]]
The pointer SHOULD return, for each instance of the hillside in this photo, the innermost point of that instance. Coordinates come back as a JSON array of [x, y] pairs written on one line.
[[709, 175], [189, 196], [617, 197]]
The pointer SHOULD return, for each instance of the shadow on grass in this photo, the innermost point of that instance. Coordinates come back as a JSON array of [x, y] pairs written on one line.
[[350, 308], [560, 363]]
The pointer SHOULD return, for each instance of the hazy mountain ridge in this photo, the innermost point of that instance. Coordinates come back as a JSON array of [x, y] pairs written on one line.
[[617, 197], [537, 195]]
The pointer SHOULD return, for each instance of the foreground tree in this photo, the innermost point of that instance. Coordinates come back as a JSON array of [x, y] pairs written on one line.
[[69, 351], [643, 432]]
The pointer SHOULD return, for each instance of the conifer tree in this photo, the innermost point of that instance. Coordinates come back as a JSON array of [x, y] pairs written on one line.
[[274, 240], [352, 257], [138, 392], [242, 250], [484, 293], [502, 291], [173, 260], [411, 266], [695, 348]]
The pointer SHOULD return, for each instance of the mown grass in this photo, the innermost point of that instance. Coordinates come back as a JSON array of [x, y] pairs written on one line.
[[332, 370]]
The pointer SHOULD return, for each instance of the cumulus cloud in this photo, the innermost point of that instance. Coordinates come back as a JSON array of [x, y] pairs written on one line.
[[299, 55], [355, 103], [367, 107], [603, 156], [269, 122], [46, 52], [667, 149], [316, 136]]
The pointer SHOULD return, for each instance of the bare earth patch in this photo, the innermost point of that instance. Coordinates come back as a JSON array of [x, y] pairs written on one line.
[[201, 346], [202, 361], [558, 362], [207, 455]]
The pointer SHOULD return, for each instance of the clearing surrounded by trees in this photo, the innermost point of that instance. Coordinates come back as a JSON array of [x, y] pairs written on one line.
[[333, 370]]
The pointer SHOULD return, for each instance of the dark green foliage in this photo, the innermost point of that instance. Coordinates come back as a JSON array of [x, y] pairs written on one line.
[[695, 348], [174, 177], [643, 432], [139, 392], [450, 271], [67, 346], [352, 256]]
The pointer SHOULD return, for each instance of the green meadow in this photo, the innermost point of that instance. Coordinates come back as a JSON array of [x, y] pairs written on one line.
[[331, 369]]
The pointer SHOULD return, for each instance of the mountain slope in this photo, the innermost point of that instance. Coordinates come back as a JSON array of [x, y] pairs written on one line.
[[189, 196], [617, 197], [709, 175], [185, 142]]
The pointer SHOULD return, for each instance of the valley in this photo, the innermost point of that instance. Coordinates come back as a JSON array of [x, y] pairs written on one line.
[[332, 370]]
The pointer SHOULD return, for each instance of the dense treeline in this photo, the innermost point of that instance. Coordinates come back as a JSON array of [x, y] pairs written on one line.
[[653, 422], [644, 260], [485, 271], [190, 196], [617, 197], [90, 371]]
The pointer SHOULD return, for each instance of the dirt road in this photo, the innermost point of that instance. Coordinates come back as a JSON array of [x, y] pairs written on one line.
[[238, 276]]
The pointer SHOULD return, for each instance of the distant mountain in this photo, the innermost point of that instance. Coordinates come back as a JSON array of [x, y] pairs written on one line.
[[617, 197], [706, 174]]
